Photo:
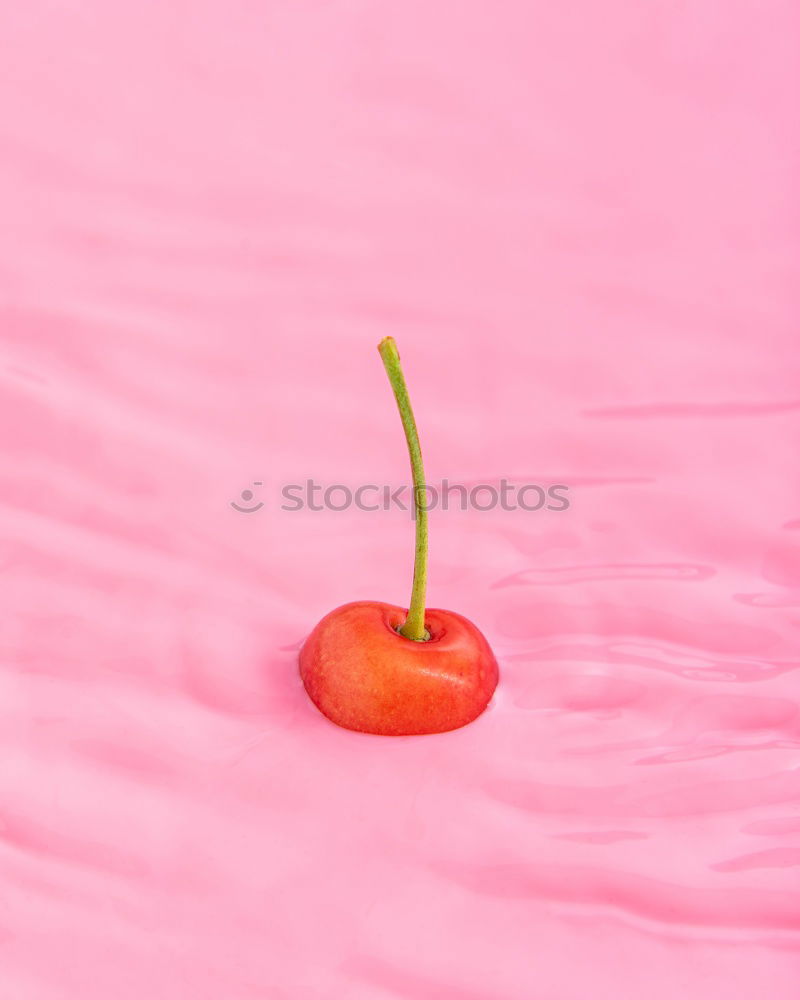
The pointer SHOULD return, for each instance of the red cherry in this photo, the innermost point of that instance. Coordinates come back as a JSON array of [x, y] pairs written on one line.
[[378, 669], [363, 675]]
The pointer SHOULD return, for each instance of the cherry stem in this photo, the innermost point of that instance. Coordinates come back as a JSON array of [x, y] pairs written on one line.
[[414, 625]]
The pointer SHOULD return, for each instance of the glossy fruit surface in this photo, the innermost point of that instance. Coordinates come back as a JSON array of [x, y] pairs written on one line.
[[363, 675]]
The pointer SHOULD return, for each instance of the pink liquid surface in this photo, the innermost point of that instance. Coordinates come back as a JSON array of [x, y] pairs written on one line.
[[580, 223]]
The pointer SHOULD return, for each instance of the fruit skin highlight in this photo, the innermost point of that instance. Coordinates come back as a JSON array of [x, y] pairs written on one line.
[[363, 675]]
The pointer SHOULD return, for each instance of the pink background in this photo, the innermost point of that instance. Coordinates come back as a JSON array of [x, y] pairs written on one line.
[[580, 222]]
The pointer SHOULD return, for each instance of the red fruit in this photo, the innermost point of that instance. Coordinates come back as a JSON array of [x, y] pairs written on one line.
[[376, 668], [363, 675]]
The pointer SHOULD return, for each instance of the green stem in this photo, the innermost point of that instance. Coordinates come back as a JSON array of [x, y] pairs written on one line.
[[414, 625]]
